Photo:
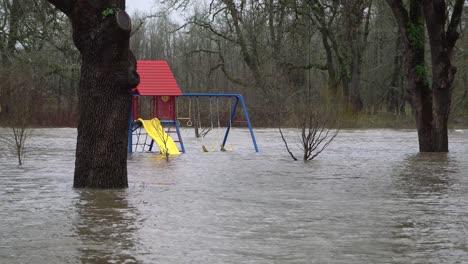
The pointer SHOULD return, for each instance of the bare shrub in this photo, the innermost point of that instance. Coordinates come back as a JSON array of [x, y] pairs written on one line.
[[317, 127], [14, 140], [15, 116]]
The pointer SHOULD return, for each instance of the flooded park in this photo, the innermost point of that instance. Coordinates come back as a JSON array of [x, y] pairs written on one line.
[[369, 198], [105, 87]]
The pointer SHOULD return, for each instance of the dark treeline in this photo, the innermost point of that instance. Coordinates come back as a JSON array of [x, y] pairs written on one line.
[[280, 54], [39, 67]]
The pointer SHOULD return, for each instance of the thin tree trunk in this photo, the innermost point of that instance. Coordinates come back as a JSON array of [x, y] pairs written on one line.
[[6, 90], [333, 83], [393, 97], [14, 27], [354, 86]]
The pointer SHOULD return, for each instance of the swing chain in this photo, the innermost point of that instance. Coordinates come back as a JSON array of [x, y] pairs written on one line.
[[189, 118]]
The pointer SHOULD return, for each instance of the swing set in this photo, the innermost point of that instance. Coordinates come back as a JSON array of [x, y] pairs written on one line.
[[238, 102], [158, 84]]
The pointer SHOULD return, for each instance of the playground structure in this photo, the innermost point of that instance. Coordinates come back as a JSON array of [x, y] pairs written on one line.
[[159, 87]]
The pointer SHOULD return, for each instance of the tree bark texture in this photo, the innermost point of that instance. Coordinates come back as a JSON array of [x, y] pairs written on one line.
[[358, 33], [108, 74], [411, 25]]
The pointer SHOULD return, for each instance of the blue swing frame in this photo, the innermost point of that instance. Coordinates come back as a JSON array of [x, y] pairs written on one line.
[[240, 99]]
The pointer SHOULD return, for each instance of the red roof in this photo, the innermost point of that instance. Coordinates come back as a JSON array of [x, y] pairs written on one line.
[[156, 79]]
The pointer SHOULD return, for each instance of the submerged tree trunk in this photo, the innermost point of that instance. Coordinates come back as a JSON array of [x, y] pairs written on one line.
[[108, 73], [442, 42], [412, 31], [431, 106]]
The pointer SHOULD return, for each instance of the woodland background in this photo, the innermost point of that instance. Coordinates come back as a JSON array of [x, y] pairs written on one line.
[[282, 55]]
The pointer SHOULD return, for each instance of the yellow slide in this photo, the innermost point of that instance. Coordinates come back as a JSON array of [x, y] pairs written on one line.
[[156, 132]]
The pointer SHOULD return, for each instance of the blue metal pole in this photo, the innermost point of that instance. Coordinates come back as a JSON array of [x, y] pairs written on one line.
[[248, 122], [180, 136], [151, 145], [130, 134], [238, 97], [233, 113]]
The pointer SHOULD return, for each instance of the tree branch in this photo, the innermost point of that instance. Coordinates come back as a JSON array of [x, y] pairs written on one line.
[[66, 6], [452, 34], [400, 12], [290, 66], [286, 144], [367, 25]]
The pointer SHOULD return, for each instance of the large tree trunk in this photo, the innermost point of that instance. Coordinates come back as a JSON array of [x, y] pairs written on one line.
[[412, 31], [108, 74], [431, 106], [442, 42], [421, 98]]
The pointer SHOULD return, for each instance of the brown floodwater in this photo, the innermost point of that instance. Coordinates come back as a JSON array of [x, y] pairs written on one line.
[[369, 198]]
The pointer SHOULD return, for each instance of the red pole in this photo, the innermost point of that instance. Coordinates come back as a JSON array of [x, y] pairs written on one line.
[[135, 107]]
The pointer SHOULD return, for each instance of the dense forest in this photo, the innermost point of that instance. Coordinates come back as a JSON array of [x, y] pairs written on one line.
[[282, 55]]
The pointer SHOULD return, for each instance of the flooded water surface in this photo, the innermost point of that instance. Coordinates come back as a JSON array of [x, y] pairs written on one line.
[[369, 198]]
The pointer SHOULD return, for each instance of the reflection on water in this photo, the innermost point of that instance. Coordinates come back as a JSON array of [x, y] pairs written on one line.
[[425, 173], [105, 225], [369, 198], [429, 220]]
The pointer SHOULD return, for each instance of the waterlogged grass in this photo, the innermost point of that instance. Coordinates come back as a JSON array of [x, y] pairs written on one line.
[[383, 120], [387, 120]]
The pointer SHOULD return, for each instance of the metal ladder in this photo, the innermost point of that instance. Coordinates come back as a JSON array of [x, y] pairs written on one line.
[[167, 125]]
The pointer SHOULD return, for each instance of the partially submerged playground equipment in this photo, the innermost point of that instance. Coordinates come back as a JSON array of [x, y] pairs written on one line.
[[161, 124]]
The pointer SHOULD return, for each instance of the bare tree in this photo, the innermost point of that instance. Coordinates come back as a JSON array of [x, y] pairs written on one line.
[[317, 129], [15, 120], [14, 139]]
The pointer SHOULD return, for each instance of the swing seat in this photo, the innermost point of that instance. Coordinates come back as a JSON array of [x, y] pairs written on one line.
[[189, 121]]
